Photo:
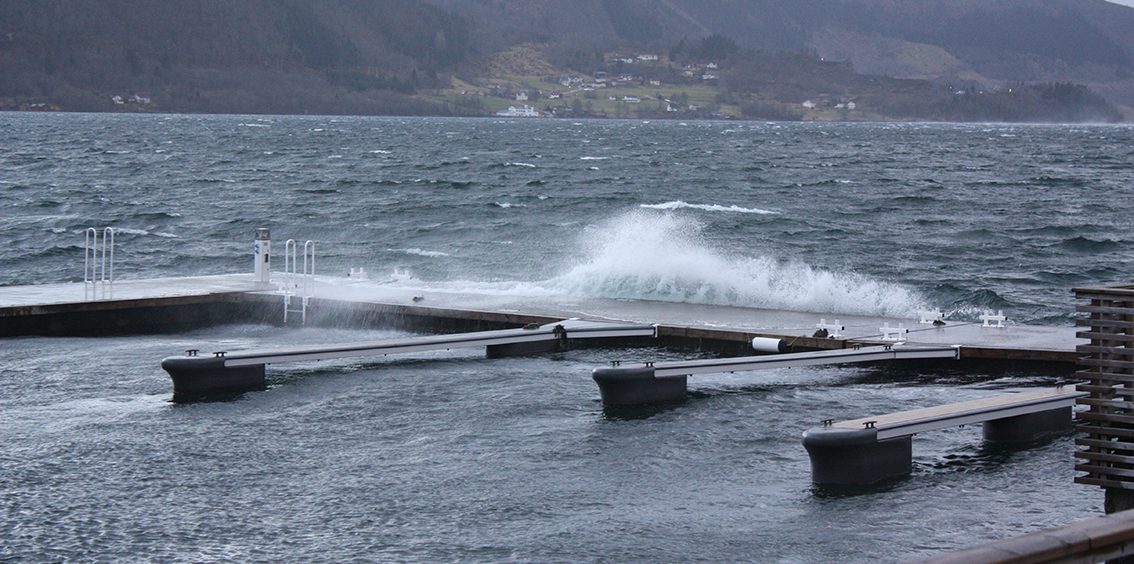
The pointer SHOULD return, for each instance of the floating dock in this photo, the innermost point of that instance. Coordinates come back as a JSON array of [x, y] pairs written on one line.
[[662, 382], [871, 449], [196, 376]]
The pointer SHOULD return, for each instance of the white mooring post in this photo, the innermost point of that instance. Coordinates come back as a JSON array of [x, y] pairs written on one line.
[[834, 330], [262, 260], [988, 319], [893, 333]]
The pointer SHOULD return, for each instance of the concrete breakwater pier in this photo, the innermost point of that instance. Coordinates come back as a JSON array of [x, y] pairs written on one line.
[[175, 304]]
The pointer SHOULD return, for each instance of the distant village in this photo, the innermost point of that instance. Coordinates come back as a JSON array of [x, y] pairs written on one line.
[[631, 85]]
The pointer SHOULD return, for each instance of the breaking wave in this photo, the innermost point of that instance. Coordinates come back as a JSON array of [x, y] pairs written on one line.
[[660, 256], [678, 204]]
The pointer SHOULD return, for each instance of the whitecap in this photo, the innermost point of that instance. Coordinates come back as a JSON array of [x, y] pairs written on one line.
[[420, 252], [379, 152], [507, 205], [678, 204], [528, 165], [593, 158]]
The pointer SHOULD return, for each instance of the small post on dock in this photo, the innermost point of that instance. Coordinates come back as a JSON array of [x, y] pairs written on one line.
[[262, 259]]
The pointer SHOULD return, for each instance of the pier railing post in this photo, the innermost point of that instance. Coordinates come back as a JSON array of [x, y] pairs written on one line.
[[1107, 362]]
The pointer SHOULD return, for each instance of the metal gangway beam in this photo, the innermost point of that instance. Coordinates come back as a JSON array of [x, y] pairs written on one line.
[[670, 369], [196, 376], [665, 382], [549, 333], [871, 449]]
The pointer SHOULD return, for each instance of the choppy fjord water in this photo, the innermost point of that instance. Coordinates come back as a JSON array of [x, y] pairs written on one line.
[[448, 456]]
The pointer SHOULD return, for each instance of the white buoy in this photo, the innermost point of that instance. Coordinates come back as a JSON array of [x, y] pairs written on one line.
[[262, 257]]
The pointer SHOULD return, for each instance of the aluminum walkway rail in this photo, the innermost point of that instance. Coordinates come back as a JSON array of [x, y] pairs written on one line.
[[196, 376], [659, 382], [871, 449]]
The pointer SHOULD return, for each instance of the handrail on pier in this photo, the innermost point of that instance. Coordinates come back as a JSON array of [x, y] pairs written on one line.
[[98, 268], [296, 281]]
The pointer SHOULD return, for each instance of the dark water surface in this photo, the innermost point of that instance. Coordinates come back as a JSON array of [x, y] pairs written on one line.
[[449, 456]]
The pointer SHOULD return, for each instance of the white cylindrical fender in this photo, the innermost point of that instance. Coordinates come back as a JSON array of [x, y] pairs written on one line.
[[770, 345]]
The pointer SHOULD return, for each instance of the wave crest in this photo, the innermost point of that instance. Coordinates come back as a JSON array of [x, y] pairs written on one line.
[[679, 204]]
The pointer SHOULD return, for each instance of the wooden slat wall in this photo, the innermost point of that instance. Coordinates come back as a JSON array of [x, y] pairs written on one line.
[[1108, 367]]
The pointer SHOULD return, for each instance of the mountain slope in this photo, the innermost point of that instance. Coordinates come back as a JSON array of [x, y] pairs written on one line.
[[385, 56]]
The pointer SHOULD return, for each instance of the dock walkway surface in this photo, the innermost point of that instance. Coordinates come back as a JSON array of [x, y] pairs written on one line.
[[916, 421], [1018, 342]]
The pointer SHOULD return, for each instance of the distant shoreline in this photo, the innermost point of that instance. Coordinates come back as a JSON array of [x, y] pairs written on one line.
[[603, 118]]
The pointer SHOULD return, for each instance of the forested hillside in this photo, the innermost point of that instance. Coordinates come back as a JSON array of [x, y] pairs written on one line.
[[1017, 60]]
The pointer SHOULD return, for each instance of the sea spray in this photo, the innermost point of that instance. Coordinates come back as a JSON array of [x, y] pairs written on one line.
[[651, 255]]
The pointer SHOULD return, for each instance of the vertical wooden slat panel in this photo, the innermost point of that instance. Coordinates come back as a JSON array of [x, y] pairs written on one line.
[[1106, 363]]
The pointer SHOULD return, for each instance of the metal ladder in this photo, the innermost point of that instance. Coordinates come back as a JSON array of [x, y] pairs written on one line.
[[98, 269], [298, 283]]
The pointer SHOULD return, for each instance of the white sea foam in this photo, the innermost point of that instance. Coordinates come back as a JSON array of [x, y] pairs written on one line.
[[143, 232], [647, 255], [593, 158], [678, 204], [420, 252], [528, 165], [379, 152], [507, 205]]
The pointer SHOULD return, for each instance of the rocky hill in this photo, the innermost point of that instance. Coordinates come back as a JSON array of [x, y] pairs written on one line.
[[906, 59]]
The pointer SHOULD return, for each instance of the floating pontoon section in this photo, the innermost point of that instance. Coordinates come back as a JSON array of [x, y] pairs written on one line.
[[871, 449], [655, 382], [196, 376]]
